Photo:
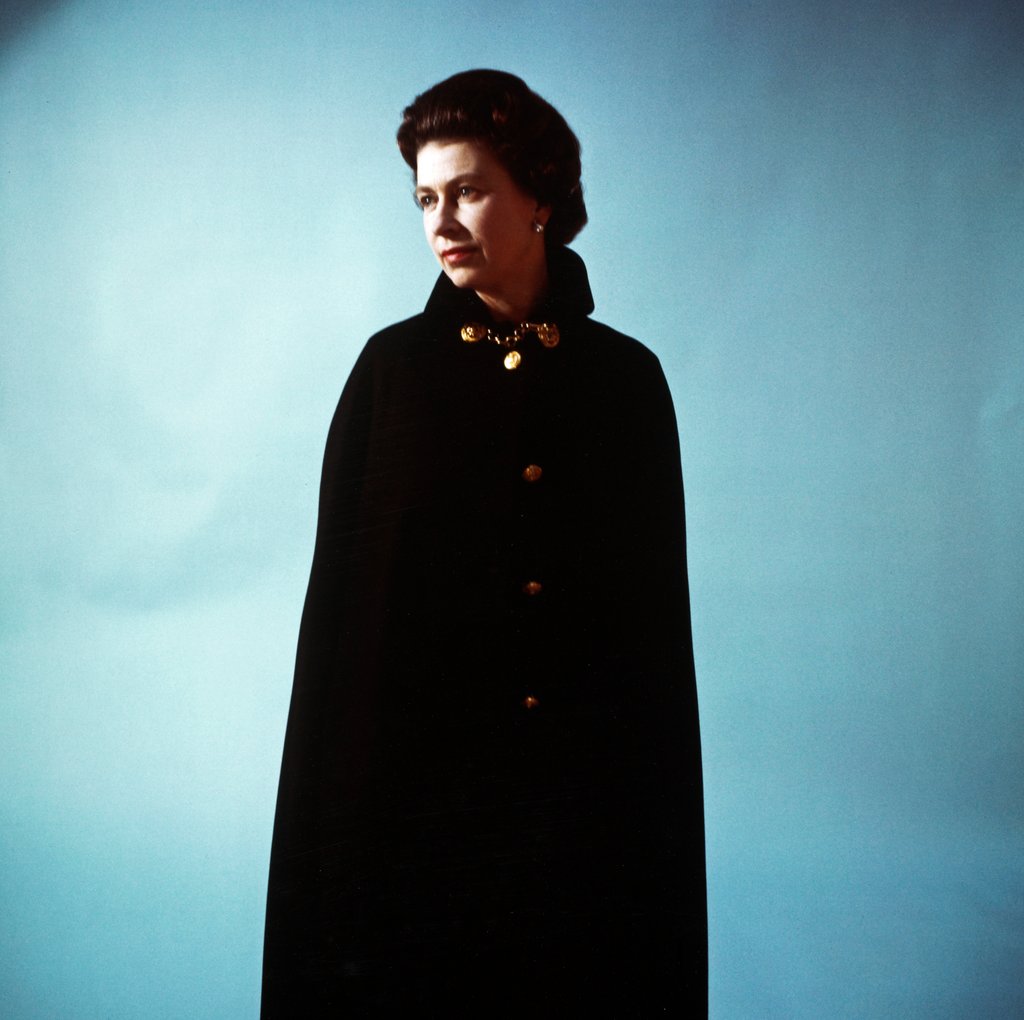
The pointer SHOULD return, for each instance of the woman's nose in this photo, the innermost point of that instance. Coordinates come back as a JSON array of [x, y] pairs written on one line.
[[445, 222]]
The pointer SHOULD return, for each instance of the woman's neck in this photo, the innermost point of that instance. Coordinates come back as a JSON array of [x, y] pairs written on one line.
[[515, 303]]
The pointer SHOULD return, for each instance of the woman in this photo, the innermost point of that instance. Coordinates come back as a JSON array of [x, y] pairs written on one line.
[[490, 798]]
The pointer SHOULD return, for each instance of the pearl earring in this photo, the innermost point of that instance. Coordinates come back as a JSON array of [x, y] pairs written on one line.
[[538, 228]]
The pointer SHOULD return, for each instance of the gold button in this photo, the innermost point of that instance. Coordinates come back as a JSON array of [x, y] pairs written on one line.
[[547, 333], [530, 701], [532, 473], [512, 360], [532, 588]]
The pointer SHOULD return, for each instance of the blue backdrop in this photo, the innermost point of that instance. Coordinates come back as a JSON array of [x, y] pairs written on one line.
[[813, 213]]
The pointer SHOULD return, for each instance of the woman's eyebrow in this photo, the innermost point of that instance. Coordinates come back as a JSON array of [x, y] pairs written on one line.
[[454, 179]]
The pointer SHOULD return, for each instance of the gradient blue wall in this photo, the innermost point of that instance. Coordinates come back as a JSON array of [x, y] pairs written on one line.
[[814, 215]]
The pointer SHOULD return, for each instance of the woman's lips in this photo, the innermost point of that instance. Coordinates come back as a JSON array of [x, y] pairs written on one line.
[[453, 256]]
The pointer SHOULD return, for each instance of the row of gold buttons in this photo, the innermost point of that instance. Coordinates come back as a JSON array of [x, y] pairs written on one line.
[[531, 473]]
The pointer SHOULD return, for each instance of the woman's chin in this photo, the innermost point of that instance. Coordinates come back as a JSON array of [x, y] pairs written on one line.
[[464, 277]]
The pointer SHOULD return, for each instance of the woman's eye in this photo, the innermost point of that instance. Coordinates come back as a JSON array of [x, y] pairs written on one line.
[[424, 201], [465, 191]]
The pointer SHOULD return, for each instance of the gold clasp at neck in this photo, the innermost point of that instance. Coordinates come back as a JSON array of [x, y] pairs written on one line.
[[546, 332]]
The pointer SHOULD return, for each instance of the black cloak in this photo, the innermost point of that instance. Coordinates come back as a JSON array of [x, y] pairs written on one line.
[[490, 800]]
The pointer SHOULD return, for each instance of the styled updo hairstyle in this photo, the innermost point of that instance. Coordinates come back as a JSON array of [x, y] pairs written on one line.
[[528, 135]]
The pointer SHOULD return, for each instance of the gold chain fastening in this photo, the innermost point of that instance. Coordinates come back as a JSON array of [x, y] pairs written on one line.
[[545, 332]]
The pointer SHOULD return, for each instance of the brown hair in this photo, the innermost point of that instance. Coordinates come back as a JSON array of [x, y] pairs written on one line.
[[527, 134]]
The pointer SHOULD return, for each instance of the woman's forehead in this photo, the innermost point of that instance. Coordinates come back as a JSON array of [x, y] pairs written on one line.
[[440, 162]]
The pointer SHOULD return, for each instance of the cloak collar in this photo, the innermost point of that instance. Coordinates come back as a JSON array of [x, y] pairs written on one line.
[[568, 296]]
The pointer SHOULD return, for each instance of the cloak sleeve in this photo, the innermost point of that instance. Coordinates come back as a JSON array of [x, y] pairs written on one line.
[[333, 637]]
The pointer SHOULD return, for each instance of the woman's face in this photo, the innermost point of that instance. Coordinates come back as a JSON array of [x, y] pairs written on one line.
[[479, 222]]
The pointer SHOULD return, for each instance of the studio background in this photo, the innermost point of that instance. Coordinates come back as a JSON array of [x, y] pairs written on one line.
[[814, 215]]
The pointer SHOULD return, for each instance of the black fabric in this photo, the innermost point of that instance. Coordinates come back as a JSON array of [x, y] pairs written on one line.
[[440, 848]]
